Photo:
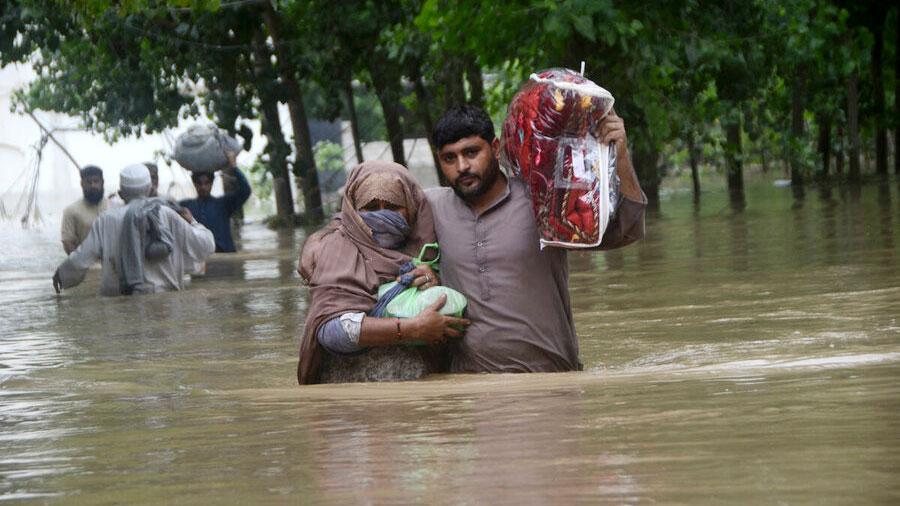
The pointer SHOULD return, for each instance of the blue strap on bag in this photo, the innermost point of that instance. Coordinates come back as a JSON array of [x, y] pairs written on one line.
[[406, 278]]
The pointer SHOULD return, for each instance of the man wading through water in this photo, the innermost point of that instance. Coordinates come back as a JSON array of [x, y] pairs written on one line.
[[518, 294], [209, 145], [78, 216]]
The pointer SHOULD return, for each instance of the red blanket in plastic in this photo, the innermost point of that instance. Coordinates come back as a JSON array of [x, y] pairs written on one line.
[[548, 141]]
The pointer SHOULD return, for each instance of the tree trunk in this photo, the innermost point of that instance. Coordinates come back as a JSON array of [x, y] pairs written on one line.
[[476, 84], [695, 169], [853, 125], [278, 151], [824, 144], [225, 110], [645, 158], [270, 125], [839, 156], [797, 140], [451, 79], [391, 109], [734, 166], [387, 86], [897, 94], [351, 112], [225, 104], [424, 102], [305, 164], [878, 91]]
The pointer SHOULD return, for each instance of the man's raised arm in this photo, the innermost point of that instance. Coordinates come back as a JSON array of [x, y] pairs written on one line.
[[236, 199], [627, 225]]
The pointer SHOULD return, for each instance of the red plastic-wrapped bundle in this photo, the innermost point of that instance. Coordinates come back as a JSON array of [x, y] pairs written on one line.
[[548, 140]]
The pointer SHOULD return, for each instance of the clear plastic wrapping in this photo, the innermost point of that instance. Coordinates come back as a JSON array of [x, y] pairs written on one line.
[[549, 141]]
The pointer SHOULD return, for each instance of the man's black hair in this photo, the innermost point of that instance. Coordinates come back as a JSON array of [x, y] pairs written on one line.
[[195, 176], [460, 122], [91, 170]]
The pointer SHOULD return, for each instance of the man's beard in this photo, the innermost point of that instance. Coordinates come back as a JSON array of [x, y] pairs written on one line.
[[93, 196], [484, 183]]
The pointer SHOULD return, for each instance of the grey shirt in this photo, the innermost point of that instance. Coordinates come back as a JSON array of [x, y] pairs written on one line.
[[518, 295]]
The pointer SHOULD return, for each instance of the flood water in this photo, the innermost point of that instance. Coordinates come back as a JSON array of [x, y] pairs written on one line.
[[729, 358]]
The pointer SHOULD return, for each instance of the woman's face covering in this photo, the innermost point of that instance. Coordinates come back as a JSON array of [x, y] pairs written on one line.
[[388, 223]]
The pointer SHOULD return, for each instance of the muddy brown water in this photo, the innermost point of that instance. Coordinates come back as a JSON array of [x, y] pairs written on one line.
[[729, 358]]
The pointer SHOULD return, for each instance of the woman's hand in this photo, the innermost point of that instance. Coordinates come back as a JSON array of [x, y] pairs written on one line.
[[433, 327], [424, 278]]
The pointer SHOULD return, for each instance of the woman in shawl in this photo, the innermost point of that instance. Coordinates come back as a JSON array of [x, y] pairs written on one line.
[[384, 222]]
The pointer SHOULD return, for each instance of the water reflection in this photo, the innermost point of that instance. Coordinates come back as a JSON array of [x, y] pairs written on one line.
[[828, 222], [261, 269], [740, 243], [290, 241], [528, 443], [696, 231], [886, 217], [613, 260]]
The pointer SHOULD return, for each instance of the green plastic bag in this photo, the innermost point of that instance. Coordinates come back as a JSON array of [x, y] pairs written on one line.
[[412, 301]]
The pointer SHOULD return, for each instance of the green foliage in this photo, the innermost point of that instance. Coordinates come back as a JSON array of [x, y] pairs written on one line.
[[329, 156], [371, 121], [261, 179], [330, 164], [679, 69]]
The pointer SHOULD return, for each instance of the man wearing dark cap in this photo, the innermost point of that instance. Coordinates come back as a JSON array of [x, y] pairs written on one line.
[[80, 215], [204, 150]]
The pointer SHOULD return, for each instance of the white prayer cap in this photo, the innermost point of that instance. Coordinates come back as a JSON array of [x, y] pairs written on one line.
[[134, 178]]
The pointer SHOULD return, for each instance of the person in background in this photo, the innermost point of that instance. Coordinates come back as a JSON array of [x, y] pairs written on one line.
[[518, 294], [144, 246], [215, 212], [154, 178], [78, 216]]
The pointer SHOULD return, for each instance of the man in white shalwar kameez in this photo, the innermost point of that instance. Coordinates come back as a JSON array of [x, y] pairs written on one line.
[[189, 243]]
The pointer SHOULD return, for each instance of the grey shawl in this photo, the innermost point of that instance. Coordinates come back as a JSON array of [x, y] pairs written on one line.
[[144, 236]]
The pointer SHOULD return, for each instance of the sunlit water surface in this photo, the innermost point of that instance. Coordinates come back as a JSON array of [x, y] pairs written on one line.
[[750, 357]]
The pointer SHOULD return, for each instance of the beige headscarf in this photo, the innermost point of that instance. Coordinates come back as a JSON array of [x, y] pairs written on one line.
[[382, 186], [344, 266]]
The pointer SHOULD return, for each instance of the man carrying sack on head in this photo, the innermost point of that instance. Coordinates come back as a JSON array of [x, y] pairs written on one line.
[[204, 150]]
